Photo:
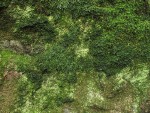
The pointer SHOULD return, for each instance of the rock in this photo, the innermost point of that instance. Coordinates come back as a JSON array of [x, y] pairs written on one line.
[[66, 110], [16, 44], [6, 43], [12, 45], [27, 49]]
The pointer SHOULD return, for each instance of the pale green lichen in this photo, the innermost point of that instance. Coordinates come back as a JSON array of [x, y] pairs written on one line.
[[82, 51], [19, 13], [50, 18]]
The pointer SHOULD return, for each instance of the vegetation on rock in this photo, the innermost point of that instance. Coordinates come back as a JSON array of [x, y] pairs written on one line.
[[86, 56]]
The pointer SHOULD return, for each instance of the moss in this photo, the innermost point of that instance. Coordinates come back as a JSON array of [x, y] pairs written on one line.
[[12, 61], [93, 92], [84, 40]]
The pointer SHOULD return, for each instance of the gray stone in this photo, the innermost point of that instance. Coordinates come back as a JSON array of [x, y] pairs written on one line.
[[6, 43], [15, 43], [66, 110]]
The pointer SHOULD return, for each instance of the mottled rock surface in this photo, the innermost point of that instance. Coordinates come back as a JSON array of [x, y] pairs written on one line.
[[95, 93]]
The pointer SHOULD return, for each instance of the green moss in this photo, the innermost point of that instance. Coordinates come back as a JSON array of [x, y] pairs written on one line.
[[87, 55], [12, 61]]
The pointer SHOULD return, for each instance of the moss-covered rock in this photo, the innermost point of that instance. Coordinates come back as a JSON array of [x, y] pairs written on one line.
[[93, 92]]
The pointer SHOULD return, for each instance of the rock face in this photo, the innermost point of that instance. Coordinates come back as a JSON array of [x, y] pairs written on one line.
[[6, 43], [12, 44], [94, 93], [16, 44]]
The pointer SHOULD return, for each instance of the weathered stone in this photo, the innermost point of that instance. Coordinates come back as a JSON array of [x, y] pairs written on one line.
[[6, 43], [12, 45], [16, 44], [66, 110]]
